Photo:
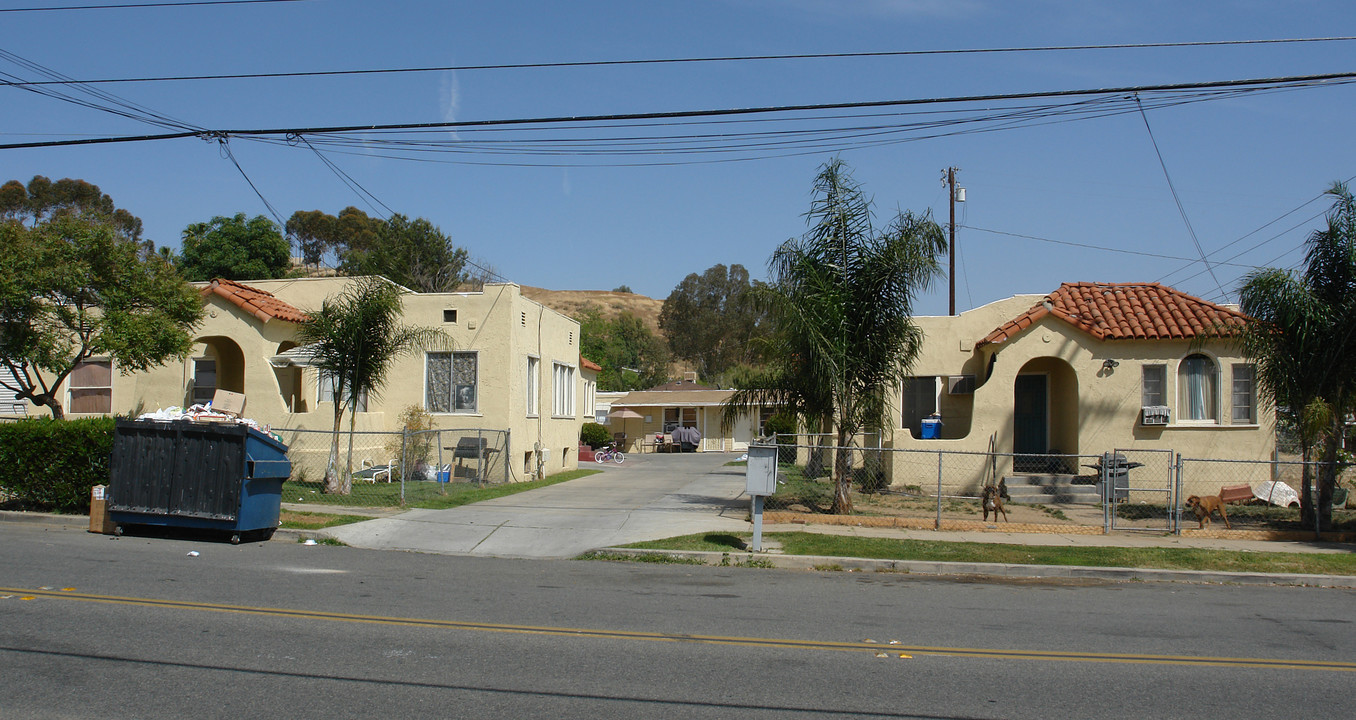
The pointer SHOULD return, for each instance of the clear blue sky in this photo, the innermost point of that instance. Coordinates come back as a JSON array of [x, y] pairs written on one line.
[[1237, 163]]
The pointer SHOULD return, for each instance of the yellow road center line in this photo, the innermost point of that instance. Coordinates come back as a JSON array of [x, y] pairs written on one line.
[[781, 643]]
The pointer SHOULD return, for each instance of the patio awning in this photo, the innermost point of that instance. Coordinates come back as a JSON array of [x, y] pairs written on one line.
[[300, 356]]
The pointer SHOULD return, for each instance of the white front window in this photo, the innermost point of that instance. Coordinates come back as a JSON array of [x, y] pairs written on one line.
[[1245, 394], [327, 385], [562, 404], [533, 384]]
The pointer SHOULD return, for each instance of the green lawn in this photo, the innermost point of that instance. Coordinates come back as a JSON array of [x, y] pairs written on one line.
[[800, 543], [418, 494]]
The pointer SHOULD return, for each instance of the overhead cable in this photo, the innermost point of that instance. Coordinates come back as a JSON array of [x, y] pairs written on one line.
[[1256, 83], [692, 60]]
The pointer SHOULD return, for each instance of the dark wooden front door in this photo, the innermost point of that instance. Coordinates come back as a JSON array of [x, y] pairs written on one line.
[[1030, 422]]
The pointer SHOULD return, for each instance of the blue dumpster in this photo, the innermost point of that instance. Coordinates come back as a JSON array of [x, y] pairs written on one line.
[[210, 476]]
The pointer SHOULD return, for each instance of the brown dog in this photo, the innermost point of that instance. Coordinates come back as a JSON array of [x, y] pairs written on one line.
[[1203, 506], [992, 499]]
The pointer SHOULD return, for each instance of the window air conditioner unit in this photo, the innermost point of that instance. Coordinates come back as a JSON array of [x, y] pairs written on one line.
[[960, 385], [1154, 415]]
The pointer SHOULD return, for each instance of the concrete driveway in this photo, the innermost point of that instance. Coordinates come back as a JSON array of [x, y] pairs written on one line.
[[648, 497]]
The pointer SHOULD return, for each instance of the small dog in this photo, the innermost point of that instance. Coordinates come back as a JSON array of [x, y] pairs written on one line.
[[1203, 506], [992, 498]]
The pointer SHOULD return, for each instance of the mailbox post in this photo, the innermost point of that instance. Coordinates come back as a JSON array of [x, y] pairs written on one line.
[[760, 478]]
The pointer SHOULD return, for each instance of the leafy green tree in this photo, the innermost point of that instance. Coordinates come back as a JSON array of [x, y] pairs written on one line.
[[712, 321], [412, 253], [234, 248], [1303, 341], [841, 303], [354, 338], [76, 286], [630, 355]]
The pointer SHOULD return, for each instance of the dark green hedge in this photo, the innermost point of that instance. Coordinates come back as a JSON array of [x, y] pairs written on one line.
[[594, 435], [50, 465]]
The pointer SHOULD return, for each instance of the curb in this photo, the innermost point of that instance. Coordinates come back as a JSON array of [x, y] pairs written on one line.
[[49, 518], [1002, 570]]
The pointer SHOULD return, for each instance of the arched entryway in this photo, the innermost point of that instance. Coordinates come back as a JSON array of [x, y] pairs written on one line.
[[1044, 416], [219, 364]]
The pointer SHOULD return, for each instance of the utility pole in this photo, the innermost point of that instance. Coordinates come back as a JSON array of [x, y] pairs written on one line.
[[950, 182]]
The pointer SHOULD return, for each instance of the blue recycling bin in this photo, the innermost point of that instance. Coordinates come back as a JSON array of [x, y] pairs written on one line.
[[931, 428], [209, 476]]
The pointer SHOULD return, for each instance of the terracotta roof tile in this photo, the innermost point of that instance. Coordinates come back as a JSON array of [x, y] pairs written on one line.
[[259, 303], [589, 364], [1126, 311]]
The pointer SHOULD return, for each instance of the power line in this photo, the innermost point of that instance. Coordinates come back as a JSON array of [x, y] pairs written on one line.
[[690, 60], [1087, 246], [124, 6], [1255, 84], [1181, 210]]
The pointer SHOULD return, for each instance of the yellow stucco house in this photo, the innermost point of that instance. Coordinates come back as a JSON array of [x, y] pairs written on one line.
[[513, 368], [1086, 369]]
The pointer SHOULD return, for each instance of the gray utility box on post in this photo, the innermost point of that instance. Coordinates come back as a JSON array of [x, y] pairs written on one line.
[[761, 473]]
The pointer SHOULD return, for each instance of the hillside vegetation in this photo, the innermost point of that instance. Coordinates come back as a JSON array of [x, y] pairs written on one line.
[[610, 304]]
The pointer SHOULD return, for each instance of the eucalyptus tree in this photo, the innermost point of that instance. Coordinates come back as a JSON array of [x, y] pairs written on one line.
[[841, 300], [353, 340], [1303, 342]]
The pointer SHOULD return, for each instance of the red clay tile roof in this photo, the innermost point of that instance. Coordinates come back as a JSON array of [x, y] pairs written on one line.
[[589, 364], [1126, 311], [254, 301]]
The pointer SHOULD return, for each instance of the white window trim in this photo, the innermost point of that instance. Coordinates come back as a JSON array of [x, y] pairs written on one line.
[[1256, 414], [533, 386], [571, 399], [320, 382], [1164, 389], [1182, 420]]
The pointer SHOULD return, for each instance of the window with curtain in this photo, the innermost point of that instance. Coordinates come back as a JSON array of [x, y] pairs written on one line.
[[451, 382], [92, 387], [1245, 394], [1197, 389]]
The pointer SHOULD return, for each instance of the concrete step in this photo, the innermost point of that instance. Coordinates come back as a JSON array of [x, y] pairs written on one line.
[[1050, 490]]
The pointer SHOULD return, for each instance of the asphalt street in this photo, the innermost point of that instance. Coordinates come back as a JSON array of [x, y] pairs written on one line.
[[138, 627]]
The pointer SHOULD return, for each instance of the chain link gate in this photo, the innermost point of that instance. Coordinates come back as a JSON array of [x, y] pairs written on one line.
[[1139, 490]]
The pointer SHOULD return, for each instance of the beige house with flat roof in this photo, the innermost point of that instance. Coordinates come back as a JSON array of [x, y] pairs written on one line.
[[1087, 369], [659, 410], [513, 369]]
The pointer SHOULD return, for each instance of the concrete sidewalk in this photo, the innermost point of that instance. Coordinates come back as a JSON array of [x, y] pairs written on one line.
[[647, 498]]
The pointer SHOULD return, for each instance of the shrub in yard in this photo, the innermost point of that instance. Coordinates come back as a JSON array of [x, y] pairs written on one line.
[[594, 435], [50, 465]]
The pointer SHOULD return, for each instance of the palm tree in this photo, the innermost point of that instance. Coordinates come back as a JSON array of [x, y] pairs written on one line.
[[352, 340], [1303, 342], [841, 300]]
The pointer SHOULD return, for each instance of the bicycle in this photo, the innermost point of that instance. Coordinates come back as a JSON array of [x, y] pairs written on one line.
[[609, 452]]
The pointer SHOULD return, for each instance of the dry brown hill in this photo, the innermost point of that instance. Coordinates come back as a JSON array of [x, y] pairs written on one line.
[[611, 304]]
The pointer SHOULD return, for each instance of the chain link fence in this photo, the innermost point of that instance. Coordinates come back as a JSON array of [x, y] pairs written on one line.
[[926, 489], [391, 469], [1122, 489]]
